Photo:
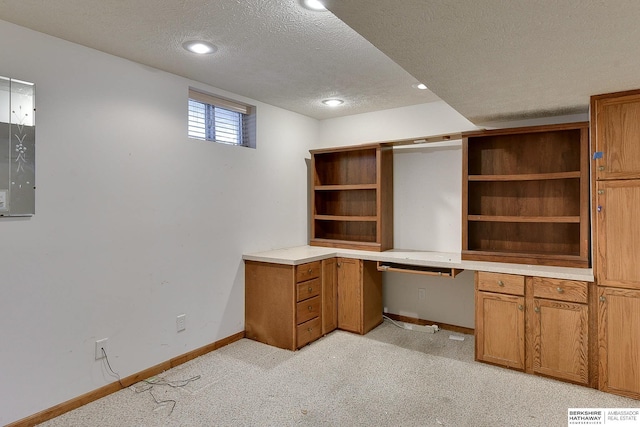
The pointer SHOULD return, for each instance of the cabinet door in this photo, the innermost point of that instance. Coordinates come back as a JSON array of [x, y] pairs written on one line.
[[560, 340], [500, 329], [329, 295], [350, 295], [616, 132], [619, 341], [618, 233]]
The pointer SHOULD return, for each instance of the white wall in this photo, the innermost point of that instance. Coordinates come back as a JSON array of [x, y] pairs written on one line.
[[135, 223], [427, 202]]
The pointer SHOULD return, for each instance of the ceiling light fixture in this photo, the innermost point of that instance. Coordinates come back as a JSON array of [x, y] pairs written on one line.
[[313, 5], [199, 47], [420, 86], [333, 102]]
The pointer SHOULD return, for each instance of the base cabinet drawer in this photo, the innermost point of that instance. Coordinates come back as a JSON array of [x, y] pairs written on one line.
[[308, 331], [308, 309]]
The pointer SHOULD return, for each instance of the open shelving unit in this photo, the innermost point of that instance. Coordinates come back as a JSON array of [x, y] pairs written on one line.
[[526, 195], [352, 197]]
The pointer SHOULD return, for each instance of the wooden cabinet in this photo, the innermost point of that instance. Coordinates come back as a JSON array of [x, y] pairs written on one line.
[[615, 135], [618, 233], [329, 295], [283, 303], [352, 197], [500, 322], [619, 341], [359, 295], [526, 195], [559, 329], [534, 324]]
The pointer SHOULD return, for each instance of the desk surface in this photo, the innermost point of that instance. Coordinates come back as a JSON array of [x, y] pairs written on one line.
[[303, 254]]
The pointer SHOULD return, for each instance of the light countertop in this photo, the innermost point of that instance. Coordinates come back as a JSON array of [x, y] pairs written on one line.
[[303, 254]]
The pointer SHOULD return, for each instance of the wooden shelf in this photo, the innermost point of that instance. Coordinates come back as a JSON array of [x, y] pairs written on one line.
[[526, 177], [494, 218], [352, 197], [345, 218], [526, 195], [345, 187]]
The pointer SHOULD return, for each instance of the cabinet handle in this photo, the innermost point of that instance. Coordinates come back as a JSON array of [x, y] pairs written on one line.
[[500, 283], [537, 309], [310, 289], [520, 307], [310, 308], [310, 329], [600, 191], [603, 299], [601, 168], [339, 264], [310, 271], [560, 290]]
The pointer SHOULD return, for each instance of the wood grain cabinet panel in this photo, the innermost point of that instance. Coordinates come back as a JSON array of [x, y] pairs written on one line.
[[618, 233], [329, 295], [500, 329], [359, 295], [560, 340], [615, 130], [619, 341]]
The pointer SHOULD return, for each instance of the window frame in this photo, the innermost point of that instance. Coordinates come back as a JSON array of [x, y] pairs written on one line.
[[244, 131]]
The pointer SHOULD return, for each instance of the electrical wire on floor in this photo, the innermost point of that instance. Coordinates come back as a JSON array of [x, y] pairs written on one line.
[[156, 381], [393, 321]]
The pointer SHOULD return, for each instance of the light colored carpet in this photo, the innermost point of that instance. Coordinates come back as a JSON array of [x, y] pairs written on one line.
[[390, 377]]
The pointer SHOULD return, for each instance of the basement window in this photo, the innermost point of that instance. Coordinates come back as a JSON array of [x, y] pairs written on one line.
[[211, 118]]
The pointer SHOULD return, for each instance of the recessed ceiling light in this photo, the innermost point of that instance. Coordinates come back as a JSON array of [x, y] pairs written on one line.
[[313, 5], [420, 86], [333, 102], [199, 47]]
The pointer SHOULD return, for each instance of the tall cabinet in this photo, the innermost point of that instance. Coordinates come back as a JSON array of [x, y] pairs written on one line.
[[615, 138]]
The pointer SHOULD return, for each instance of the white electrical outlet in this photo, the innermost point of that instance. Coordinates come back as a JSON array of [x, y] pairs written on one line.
[[181, 322], [422, 294], [100, 344]]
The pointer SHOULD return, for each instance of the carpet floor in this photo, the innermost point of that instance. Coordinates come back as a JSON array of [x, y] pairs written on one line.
[[389, 377]]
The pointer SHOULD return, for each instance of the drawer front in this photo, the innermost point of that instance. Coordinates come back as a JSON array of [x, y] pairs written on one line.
[[502, 283], [563, 290], [308, 331], [308, 309], [308, 271], [308, 289]]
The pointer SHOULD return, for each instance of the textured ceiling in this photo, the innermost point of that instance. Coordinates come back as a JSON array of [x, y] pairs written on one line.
[[274, 51], [497, 60], [491, 60]]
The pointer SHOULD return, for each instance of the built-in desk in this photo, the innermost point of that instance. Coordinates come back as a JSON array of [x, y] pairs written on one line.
[[304, 254]]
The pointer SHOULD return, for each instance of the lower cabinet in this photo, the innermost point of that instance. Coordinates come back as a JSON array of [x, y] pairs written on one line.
[[359, 295], [619, 341], [559, 329], [329, 295], [500, 322], [534, 324], [283, 303], [290, 306]]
